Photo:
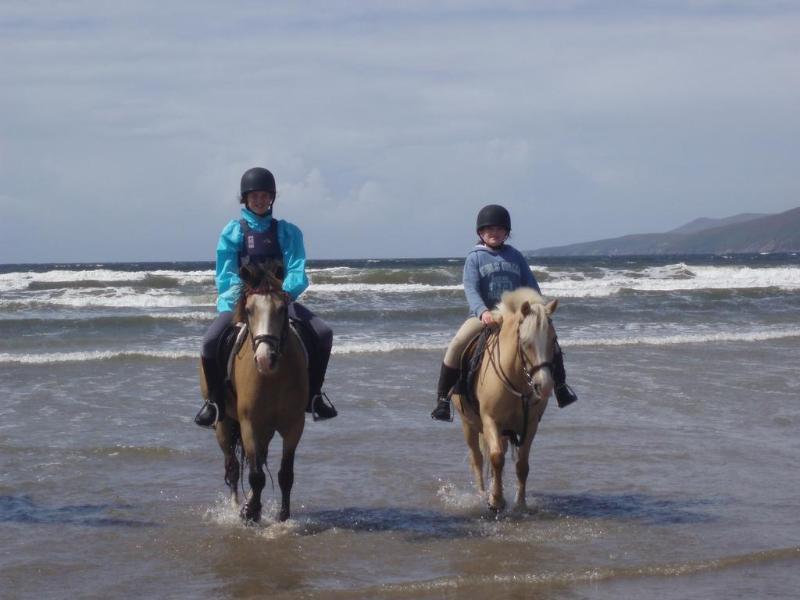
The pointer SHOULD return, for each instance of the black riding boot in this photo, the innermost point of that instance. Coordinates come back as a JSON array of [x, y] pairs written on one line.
[[448, 377], [564, 394], [213, 410], [319, 405]]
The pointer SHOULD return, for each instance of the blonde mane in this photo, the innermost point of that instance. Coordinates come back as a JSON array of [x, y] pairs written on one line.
[[511, 302]]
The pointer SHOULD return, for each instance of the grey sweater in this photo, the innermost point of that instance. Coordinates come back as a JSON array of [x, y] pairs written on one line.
[[488, 273]]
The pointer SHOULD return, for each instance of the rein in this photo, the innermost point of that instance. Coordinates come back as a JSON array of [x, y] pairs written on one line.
[[529, 370]]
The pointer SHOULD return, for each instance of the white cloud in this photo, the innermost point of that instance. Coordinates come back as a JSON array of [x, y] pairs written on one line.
[[388, 125]]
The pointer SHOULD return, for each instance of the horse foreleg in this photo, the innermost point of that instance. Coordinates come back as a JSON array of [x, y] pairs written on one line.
[[227, 433], [256, 457], [252, 508], [286, 480], [291, 439], [472, 436], [497, 458], [523, 462]]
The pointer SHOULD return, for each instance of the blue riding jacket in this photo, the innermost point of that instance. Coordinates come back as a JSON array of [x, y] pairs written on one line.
[[290, 238]]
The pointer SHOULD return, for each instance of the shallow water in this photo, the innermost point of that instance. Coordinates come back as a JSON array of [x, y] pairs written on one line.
[[675, 475]]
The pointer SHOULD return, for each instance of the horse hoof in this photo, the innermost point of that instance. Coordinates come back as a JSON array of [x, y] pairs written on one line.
[[283, 516], [250, 514]]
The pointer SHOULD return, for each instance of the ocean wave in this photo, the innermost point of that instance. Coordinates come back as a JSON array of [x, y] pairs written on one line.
[[114, 320], [95, 355], [124, 297], [432, 343], [383, 288], [65, 287], [501, 584], [687, 338], [103, 277], [382, 347], [677, 277]]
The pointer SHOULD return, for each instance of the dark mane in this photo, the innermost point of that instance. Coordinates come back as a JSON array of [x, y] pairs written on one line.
[[257, 279]]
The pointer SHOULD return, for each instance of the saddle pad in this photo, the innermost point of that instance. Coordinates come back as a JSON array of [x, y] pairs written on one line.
[[469, 364]]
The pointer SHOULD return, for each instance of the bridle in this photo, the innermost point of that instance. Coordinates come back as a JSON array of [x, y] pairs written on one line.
[[275, 343], [529, 370]]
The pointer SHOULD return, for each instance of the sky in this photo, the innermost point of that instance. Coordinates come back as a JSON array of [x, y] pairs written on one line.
[[125, 127]]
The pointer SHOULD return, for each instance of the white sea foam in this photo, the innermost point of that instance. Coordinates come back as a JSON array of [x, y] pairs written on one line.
[[383, 288], [122, 297], [687, 338], [342, 347], [333, 270], [560, 283], [668, 278], [185, 316], [96, 355], [383, 346], [21, 280], [454, 497]]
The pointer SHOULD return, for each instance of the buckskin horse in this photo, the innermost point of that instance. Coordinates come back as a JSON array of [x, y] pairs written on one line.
[[511, 388], [269, 390]]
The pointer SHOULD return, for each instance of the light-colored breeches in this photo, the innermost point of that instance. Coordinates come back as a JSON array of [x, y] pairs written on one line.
[[468, 330]]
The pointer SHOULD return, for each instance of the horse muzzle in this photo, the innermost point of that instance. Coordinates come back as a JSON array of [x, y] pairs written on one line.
[[266, 353]]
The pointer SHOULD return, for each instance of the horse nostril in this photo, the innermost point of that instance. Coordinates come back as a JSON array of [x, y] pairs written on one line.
[[537, 389]]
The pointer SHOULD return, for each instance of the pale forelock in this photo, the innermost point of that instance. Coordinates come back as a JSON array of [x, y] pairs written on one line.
[[511, 301]]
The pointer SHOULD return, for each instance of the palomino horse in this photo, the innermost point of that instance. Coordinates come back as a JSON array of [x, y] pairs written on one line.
[[512, 386], [270, 390]]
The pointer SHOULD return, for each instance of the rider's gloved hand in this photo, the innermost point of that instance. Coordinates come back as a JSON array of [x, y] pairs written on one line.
[[487, 319]]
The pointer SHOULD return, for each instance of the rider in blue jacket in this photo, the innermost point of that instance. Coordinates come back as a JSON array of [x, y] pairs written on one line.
[[257, 237], [491, 268]]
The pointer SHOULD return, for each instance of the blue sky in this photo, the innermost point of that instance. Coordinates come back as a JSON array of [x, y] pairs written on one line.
[[124, 129]]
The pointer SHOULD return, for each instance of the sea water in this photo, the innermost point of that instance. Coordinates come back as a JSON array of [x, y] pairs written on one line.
[[675, 474]]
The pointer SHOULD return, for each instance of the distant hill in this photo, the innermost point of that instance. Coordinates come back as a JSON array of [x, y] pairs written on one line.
[[740, 234], [706, 223]]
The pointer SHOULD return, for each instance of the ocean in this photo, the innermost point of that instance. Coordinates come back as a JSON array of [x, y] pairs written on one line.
[[676, 474]]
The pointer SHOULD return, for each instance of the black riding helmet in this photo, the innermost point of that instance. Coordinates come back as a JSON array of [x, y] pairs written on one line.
[[493, 214], [257, 179]]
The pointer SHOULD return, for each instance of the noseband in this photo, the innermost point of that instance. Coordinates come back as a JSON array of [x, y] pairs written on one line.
[[274, 342]]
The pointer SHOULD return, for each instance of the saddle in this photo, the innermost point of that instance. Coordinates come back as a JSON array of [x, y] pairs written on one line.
[[469, 365]]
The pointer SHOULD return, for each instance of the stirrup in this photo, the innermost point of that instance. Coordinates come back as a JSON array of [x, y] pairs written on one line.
[[328, 409], [439, 414], [212, 425], [565, 396]]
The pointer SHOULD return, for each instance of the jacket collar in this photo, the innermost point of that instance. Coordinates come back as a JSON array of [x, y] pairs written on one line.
[[256, 222]]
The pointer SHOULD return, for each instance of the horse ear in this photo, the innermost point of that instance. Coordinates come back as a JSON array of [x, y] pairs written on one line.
[[273, 267], [525, 309], [250, 275], [551, 306]]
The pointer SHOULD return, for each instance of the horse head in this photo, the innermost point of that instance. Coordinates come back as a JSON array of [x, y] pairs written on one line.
[[265, 309], [532, 317]]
